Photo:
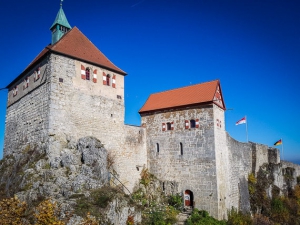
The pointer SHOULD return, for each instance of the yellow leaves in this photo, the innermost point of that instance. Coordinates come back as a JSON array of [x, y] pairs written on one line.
[[47, 213], [89, 220], [12, 211]]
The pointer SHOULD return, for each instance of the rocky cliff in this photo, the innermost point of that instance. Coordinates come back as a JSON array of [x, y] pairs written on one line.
[[77, 170]]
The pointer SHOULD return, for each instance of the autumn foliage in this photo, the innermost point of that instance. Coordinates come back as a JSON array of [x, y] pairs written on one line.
[[15, 212]]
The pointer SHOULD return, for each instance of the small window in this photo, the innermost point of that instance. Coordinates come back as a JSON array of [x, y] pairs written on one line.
[[108, 80], [157, 147], [169, 127], [87, 74], [26, 83], [37, 74], [181, 148], [192, 123], [15, 91]]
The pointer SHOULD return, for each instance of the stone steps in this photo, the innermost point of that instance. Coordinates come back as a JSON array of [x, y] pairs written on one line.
[[183, 216]]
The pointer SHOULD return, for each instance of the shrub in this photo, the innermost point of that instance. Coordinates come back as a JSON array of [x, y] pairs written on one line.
[[259, 219], [236, 217], [202, 217], [12, 211], [130, 220], [279, 212], [159, 215], [176, 201], [89, 220], [47, 213], [251, 183]]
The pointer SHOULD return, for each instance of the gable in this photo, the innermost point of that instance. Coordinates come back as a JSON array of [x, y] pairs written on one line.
[[218, 98]]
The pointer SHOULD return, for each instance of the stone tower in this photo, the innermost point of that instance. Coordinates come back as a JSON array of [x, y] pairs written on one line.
[[72, 90], [186, 143]]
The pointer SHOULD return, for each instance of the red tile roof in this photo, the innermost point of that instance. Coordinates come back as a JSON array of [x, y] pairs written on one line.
[[195, 94], [76, 45]]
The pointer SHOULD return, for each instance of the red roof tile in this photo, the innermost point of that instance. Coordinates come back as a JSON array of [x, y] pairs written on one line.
[[195, 94], [76, 45]]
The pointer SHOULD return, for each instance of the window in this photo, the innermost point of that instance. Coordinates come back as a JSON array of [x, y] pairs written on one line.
[[15, 91], [87, 74], [108, 80], [157, 147], [169, 126], [37, 74], [26, 83], [192, 123], [181, 148]]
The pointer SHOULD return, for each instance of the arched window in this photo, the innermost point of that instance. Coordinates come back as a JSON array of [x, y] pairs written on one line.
[[181, 148], [169, 127], [192, 123], [108, 80], [157, 147], [87, 74]]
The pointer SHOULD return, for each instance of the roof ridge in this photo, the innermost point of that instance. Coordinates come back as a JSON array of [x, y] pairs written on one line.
[[186, 86]]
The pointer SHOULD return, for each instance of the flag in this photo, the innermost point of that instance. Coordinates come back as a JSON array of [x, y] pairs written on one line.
[[278, 142], [241, 121]]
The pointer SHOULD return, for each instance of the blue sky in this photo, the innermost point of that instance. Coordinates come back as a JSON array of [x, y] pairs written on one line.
[[252, 46]]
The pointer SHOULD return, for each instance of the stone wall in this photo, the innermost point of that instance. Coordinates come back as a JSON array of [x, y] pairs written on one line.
[[27, 112], [195, 169], [131, 158], [80, 108], [222, 162], [240, 165]]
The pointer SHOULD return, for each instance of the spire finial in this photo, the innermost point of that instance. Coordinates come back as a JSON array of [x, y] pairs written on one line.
[[61, 1]]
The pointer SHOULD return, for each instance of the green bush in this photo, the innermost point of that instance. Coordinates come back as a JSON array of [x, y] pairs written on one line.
[[176, 201], [159, 215], [201, 217], [236, 217]]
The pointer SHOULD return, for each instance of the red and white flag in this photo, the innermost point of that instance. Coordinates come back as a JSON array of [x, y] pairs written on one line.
[[241, 121]]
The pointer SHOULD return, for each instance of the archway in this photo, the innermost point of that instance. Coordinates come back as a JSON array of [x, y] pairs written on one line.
[[188, 198]]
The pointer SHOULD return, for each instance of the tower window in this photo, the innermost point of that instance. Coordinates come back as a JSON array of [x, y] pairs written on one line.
[[181, 148], [169, 126], [26, 83], [192, 123], [157, 148], [15, 91], [87, 74], [108, 80]]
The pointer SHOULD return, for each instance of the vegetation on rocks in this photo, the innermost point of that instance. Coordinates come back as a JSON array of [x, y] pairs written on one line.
[[282, 206]]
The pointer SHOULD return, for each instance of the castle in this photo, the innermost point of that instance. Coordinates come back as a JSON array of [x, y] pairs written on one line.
[[72, 90]]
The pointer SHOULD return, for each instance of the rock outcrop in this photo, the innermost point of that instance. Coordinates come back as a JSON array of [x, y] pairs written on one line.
[[74, 169]]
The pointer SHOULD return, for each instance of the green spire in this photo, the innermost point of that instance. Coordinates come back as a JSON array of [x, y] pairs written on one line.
[[60, 25]]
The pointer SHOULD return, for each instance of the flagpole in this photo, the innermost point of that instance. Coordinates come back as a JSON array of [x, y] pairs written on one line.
[[246, 128], [282, 149]]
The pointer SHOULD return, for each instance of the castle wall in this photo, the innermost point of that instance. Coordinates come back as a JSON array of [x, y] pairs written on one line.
[[222, 162], [240, 166], [80, 108], [131, 158], [195, 169], [27, 111]]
